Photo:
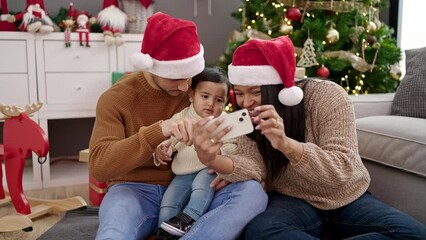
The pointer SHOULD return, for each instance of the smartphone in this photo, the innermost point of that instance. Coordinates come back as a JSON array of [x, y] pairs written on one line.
[[240, 122]]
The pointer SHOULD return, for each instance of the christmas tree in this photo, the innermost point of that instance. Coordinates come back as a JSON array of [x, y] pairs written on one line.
[[343, 41]]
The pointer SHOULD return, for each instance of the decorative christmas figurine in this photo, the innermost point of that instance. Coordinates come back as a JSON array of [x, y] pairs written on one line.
[[4, 24], [34, 19], [83, 28], [68, 25], [113, 22]]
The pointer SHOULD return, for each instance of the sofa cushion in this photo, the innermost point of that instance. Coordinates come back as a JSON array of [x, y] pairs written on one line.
[[410, 97], [395, 141]]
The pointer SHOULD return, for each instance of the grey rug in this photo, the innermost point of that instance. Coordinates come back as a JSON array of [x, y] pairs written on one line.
[[78, 224]]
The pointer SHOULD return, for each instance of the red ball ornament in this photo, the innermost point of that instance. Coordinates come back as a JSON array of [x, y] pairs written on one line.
[[293, 14], [323, 72]]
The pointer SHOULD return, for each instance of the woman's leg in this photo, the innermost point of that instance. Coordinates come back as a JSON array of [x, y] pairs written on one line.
[[369, 218], [201, 195], [231, 209], [129, 211], [176, 197], [286, 218]]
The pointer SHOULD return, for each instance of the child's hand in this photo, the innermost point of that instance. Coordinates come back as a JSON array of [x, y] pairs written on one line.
[[163, 153]]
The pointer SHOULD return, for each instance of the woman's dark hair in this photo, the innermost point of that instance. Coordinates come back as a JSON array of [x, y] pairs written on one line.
[[294, 122], [210, 74]]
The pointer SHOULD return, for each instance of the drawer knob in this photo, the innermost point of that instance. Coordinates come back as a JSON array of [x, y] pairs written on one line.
[[77, 57], [79, 87]]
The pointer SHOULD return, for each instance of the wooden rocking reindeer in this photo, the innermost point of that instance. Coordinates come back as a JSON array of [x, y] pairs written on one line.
[[21, 136]]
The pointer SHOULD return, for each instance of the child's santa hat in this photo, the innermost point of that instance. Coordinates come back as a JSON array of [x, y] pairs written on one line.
[[170, 48], [267, 62]]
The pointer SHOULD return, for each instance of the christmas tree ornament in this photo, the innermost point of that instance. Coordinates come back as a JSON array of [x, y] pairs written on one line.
[[332, 35], [4, 24], [286, 28], [308, 56], [371, 39], [293, 14], [323, 72], [395, 71], [371, 27]]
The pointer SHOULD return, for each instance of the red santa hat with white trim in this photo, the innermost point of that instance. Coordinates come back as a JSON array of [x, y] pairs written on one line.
[[267, 62], [170, 48]]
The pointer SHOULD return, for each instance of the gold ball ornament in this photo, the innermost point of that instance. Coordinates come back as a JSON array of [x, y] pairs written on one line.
[[371, 27], [286, 28], [332, 36]]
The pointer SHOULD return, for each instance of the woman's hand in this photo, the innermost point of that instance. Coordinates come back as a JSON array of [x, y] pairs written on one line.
[[218, 183], [271, 125], [206, 145]]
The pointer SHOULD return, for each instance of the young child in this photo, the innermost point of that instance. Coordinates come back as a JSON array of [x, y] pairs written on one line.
[[189, 194]]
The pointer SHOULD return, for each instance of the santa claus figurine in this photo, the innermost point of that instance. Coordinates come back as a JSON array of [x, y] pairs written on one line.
[[113, 22], [4, 24], [34, 19], [83, 28]]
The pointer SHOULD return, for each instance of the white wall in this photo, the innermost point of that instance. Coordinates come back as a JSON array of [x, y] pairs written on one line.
[[411, 29]]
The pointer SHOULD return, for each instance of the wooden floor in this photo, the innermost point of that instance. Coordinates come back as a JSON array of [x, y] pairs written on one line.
[[43, 223]]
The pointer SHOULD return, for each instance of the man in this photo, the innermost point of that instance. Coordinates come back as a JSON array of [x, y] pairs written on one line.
[[132, 119]]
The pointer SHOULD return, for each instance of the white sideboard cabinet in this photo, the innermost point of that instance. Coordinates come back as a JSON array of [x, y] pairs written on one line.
[[69, 81]]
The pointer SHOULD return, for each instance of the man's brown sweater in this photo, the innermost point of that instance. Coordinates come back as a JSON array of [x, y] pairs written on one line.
[[127, 131]]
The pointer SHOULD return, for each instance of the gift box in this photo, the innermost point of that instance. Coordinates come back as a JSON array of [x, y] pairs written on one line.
[[97, 191]]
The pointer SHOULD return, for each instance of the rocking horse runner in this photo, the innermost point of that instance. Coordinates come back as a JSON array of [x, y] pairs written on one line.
[[21, 136]]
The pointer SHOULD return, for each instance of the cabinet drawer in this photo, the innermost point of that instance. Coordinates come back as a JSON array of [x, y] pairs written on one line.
[[14, 56], [58, 58], [14, 89], [76, 88]]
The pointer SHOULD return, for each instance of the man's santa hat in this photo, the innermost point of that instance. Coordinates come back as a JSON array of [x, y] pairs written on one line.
[[170, 48], [267, 62]]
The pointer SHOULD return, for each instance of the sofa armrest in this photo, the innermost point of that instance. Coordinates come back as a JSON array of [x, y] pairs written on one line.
[[372, 104]]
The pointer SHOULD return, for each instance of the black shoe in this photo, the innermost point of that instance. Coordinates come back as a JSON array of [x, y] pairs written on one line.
[[178, 225], [163, 235]]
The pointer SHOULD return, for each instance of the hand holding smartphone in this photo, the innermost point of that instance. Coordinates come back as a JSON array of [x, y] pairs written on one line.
[[240, 122]]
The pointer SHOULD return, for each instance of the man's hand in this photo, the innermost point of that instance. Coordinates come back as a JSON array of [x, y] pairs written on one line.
[[181, 129]]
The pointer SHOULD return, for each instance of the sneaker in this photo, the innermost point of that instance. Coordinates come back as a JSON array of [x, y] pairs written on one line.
[[163, 235], [178, 225]]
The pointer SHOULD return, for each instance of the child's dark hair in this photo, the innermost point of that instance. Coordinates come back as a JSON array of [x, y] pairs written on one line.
[[210, 74]]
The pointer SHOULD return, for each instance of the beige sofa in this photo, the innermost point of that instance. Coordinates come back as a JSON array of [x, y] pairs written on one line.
[[393, 148]]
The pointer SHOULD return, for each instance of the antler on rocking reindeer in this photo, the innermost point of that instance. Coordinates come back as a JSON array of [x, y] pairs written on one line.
[[21, 136], [13, 111]]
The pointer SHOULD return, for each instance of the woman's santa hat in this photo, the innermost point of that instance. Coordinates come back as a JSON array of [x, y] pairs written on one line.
[[267, 62], [170, 48]]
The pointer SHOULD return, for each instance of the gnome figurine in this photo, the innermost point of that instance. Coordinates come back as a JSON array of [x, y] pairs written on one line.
[[113, 22], [34, 19], [4, 24]]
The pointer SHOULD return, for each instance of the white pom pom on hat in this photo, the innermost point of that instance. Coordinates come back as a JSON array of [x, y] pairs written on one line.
[[170, 48], [267, 62]]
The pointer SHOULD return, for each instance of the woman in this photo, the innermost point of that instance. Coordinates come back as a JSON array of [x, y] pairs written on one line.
[[310, 164]]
